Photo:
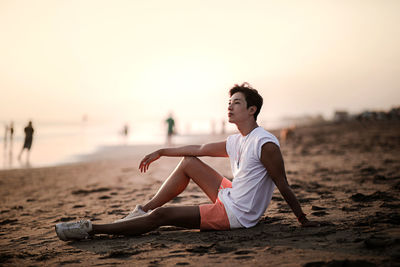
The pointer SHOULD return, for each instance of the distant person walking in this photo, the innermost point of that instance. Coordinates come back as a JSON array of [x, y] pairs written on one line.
[[125, 133], [171, 129], [28, 139], [125, 130], [11, 128]]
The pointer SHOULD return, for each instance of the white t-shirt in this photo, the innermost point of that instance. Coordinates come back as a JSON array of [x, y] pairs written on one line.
[[252, 188]]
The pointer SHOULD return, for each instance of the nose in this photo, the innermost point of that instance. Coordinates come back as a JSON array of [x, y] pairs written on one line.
[[229, 106]]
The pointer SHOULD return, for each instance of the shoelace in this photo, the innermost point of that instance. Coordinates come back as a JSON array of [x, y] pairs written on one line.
[[82, 222], [77, 225]]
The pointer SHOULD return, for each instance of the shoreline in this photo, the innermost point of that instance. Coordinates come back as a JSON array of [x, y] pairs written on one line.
[[119, 151], [113, 151]]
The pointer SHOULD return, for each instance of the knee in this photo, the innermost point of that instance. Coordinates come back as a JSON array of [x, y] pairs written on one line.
[[189, 160]]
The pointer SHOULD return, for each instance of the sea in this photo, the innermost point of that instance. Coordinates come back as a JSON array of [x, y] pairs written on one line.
[[57, 143]]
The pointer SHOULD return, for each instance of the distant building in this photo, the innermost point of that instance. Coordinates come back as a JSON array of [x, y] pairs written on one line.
[[394, 113], [341, 115]]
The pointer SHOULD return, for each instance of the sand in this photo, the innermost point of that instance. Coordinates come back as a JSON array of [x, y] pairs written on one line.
[[347, 176]]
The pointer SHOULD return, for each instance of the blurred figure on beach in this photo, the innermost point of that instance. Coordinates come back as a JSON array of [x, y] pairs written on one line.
[[286, 134], [170, 129], [27, 141], [125, 130], [11, 132], [125, 133], [5, 136], [8, 144]]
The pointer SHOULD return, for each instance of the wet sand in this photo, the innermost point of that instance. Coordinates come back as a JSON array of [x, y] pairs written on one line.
[[347, 176]]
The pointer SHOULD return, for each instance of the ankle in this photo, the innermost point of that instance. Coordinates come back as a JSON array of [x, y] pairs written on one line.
[[93, 231], [146, 208]]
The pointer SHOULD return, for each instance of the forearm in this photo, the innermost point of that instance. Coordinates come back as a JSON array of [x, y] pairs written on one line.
[[211, 149], [292, 201], [191, 150]]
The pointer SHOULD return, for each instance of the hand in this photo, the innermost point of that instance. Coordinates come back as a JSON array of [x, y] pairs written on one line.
[[145, 163]]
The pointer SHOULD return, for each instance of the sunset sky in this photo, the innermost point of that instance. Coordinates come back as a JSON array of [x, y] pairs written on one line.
[[138, 60]]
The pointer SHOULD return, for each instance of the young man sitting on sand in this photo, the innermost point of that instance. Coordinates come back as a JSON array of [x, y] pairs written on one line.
[[257, 166]]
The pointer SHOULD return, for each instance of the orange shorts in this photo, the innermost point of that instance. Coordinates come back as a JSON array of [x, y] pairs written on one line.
[[213, 216]]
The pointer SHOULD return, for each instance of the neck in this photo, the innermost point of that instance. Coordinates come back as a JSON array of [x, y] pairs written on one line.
[[246, 127]]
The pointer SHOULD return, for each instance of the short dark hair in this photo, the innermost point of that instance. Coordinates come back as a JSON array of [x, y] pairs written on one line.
[[253, 98]]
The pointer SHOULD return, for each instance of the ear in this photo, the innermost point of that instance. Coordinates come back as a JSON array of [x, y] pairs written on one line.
[[252, 110]]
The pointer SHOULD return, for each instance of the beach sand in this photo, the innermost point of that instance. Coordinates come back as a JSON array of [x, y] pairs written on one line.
[[347, 176]]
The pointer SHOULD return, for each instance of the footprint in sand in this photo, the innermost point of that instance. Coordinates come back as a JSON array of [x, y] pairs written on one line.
[[176, 200], [200, 249], [295, 186], [349, 209], [368, 170], [317, 208], [244, 257], [117, 212], [307, 200], [68, 262], [223, 249], [86, 192], [243, 252], [120, 254], [284, 210], [65, 219], [319, 213], [277, 198], [378, 195], [8, 221], [211, 249]]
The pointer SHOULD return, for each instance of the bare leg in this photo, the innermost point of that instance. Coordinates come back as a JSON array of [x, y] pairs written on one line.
[[189, 168], [188, 217]]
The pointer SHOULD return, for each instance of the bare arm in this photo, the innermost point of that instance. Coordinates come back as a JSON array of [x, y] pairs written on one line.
[[271, 158], [211, 150]]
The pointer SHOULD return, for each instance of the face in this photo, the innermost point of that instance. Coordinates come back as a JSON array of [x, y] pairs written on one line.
[[237, 108]]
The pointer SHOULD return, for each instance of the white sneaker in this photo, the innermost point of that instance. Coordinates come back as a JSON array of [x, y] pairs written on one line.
[[74, 230], [137, 212]]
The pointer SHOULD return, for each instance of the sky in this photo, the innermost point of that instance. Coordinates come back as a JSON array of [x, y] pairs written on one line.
[[139, 60]]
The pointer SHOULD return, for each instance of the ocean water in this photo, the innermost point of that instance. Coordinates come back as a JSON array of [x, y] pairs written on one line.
[[60, 143]]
